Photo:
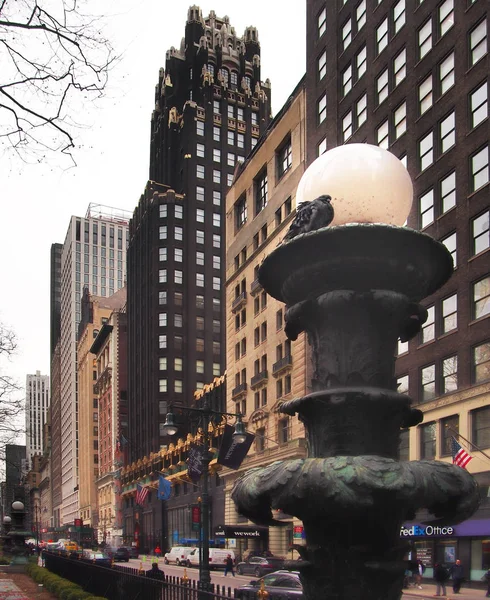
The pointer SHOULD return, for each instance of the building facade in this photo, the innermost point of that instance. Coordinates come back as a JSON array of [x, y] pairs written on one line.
[[93, 257], [264, 367], [210, 110], [37, 407], [412, 77]]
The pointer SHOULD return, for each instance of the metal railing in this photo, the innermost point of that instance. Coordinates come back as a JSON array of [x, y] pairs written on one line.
[[122, 583]]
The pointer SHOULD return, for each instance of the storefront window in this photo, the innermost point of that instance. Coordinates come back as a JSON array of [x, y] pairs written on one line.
[[480, 555], [446, 551], [425, 552]]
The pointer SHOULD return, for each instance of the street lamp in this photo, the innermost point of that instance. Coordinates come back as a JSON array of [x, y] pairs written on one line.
[[205, 415]]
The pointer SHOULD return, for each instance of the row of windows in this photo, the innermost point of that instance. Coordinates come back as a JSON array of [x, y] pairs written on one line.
[[201, 174], [435, 437], [240, 137], [178, 234], [178, 365], [178, 344], [179, 255], [442, 377], [179, 301], [178, 321]]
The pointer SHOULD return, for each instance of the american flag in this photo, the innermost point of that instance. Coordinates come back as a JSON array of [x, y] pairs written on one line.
[[141, 494], [460, 456]]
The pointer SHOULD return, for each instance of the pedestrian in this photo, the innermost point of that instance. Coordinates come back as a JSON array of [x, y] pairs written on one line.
[[420, 568], [157, 552], [229, 566], [486, 578], [458, 576], [155, 572], [441, 575]]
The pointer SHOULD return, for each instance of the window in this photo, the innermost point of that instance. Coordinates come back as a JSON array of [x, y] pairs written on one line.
[[347, 80], [200, 150], [199, 345], [400, 67], [346, 33], [425, 39], [428, 328], [200, 171], [178, 320], [200, 279], [284, 158], [322, 65], [283, 431], [260, 192], [200, 258], [479, 169], [216, 283], [216, 369], [479, 105], [361, 62], [446, 16], [162, 319], [216, 240], [163, 211], [321, 22], [231, 159], [322, 147], [446, 73], [361, 110], [178, 386], [178, 254], [231, 111], [448, 132], [240, 140], [199, 127], [216, 176], [480, 420], [199, 366], [428, 441], [382, 135], [162, 297], [163, 232], [216, 220], [382, 86], [234, 80], [399, 15], [450, 243], [400, 118], [322, 109], [449, 313], [179, 211], [239, 110], [402, 347], [361, 14], [178, 276], [404, 447], [382, 36], [426, 151], [178, 232], [481, 298], [178, 364], [478, 42], [425, 95], [449, 427], [199, 236], [162, 383], [178, 298], [216, 262], [200, 193], [448, 192], [216, 198], [480, 233], [428, 383], [230, 138], [200, 320], [347, 126], [481, 362], [216, 155], [162, 254], [402, 384], [216, 134], [449, 374], [162, 341], [162, 276]]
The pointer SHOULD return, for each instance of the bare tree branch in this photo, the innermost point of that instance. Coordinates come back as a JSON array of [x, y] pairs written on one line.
[[54, 61]]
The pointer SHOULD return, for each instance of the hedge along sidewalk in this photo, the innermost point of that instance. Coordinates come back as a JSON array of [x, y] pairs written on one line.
[[61, 588]]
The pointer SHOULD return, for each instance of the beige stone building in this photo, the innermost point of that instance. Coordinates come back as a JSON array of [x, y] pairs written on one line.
[[264, 368], [95, 312]]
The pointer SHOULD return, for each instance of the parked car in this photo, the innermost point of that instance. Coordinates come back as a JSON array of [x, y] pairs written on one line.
[[281, 586], [99, 558], [121, 553], [133, 551], [177, 555], [258, 565], [217, 557]]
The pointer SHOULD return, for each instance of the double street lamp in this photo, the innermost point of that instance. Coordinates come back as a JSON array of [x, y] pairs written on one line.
[[205, 415]]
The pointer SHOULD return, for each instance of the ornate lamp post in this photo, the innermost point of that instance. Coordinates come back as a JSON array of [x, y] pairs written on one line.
[[355, 288], [205, 415]]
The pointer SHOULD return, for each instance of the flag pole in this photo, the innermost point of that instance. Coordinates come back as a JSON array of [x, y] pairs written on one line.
[[453, 432]]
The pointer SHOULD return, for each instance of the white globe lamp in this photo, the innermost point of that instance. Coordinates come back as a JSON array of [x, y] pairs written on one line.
[[367, 184]]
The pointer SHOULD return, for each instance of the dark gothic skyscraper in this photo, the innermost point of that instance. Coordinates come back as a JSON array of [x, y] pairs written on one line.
[[210, 109]]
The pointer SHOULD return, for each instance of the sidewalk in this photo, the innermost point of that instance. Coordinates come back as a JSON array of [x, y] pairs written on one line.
[[429, 591]]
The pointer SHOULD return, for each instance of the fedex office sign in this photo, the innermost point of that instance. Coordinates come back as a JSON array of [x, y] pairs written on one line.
[[426, 531]]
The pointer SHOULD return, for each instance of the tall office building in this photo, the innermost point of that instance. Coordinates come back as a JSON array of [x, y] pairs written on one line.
[[210, 109], [412, 77], [93, 257], [37, 406]]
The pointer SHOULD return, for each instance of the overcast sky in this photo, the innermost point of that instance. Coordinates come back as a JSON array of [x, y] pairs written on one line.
[[36, 201]]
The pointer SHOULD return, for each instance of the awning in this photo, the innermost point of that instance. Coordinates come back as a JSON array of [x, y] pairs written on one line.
[[241, 531]]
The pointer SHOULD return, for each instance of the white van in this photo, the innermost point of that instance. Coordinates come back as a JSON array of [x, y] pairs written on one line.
[[217, 557], [177, 555]]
